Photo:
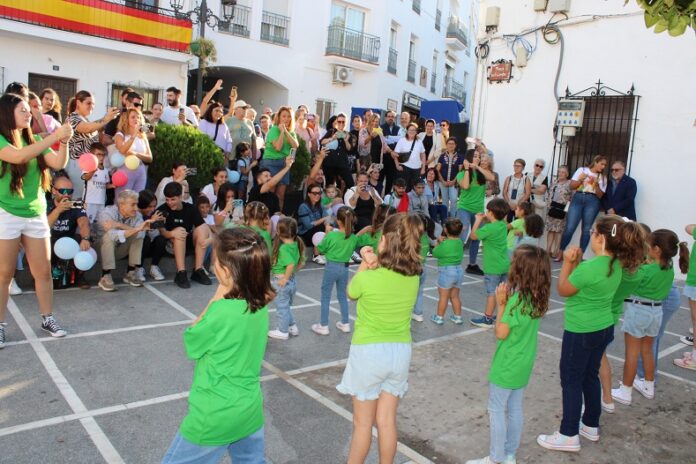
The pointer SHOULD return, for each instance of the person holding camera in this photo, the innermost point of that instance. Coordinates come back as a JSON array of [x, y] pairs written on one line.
[[121, 231], [131, 140], [179, 173], [175, 113], [363, 199], [337, 142], [67, 218], [130, 99]]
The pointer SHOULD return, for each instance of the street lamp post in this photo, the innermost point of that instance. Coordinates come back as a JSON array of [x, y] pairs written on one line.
[[203, 16]]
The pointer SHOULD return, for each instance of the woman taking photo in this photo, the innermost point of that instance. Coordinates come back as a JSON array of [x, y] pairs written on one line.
[[373, 179], [131, 140], [213, 125], [84, 134], [25, 161], [280, 140], [363, 199], [336, 164], [179, 173], [311, 219], [492, 186], [50, 104], [410, 156], [304, 131], [588, 184], [447, 168], [517, 188], [432, 142], [556, 216], [373, 146]]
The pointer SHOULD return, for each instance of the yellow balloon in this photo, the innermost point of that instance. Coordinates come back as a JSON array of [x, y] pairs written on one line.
[[132, 162]]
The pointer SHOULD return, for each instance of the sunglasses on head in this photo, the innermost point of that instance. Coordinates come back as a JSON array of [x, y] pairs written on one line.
[[65, 191]]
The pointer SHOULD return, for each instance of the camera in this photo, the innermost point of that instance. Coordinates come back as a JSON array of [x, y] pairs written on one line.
[[182, 110], [145, 128], [192, 171], [78, 204]]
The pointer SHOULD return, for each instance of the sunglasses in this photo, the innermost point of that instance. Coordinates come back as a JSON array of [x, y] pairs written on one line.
[[443, 125], [138, 105], [315, 193], [65, 191], [340, 122], [539, 166]]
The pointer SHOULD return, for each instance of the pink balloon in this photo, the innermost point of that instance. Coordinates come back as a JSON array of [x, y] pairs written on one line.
[[119, 179], [336, 208], [88, 162], [318, 237], [274, 222]]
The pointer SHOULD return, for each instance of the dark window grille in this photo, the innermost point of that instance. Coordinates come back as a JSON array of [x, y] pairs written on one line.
[[411, 76], [240, 23], [391, 64], [352, 44], [274, 28]]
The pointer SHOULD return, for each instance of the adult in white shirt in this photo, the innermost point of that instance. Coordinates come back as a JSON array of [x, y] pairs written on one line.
[[219, 179], [175, 113], [213, 125], [179, 173], [131, 140], [409, 157], [589, 184], [432, 142]]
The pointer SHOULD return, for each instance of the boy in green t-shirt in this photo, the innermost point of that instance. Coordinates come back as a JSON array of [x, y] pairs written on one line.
[[449, 254], [516, 228], [496, 261]]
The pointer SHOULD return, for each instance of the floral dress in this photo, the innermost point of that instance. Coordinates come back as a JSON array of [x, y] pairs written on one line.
[[560, 193]]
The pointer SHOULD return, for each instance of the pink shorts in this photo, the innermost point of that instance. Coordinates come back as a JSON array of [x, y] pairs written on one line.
[[12, 227]]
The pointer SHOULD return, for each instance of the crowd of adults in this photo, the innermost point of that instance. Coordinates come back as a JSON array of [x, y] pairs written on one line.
[[410, 165]]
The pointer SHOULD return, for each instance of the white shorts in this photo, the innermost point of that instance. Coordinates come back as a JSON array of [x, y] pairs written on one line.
[[12, 227]]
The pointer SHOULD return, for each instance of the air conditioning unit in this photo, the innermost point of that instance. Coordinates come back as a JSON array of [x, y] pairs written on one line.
[[343, 75]]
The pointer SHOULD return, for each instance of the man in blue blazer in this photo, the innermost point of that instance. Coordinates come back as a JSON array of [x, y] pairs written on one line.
[[621, 193]]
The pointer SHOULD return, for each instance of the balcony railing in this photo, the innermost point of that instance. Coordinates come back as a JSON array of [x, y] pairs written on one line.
[[274, 28], [416, 6], [353, 44], [433, 80], [109, 20], [438, 19], [239, 24], [457, 30], [411, 76], [391, 64], [454, 89]]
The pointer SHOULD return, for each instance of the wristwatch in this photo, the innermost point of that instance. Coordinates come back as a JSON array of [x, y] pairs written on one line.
[[89, 239]]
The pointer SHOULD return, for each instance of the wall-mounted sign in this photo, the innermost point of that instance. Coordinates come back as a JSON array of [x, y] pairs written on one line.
[[412, 101], [392, 105], [500, 71]]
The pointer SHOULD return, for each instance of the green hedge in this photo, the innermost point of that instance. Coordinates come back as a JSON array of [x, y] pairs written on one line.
[[186, 144], [300, 168]]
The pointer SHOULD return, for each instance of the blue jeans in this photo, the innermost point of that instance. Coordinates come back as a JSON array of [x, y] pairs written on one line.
[[468, 220], [438, 213], [334, 273], [275, 166], [283, 303], [449, 198], [581, 354], [248, 450], [507, 418], [418, 308], [669, 306], [585, 207]]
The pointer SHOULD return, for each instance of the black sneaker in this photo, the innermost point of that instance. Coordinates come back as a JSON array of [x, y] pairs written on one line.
[[50, 325], [181, 280], [200, 276], [2, 334], [474, 269]]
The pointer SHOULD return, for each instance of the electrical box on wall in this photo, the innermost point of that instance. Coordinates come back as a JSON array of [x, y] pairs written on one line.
[[492, 17], [559, 6], [570, 113], [540, 5]]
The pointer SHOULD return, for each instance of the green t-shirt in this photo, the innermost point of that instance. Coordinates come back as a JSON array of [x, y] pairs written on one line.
[[514, 356], [385, 302], [370, 240], [288, 254], [425, 246], [264, 235], [225, 402], [655, 282], [691, 275], [270, 152], [590, 309], [496, 260], [629, 282], [336, 247], [32, 202], [516, 225], [471, 199], [449, 252]]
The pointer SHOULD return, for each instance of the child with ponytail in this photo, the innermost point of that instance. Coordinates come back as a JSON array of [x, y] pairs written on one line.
[[286, 259], [257, 218], [688, 361], [376, 374], [338, 247]]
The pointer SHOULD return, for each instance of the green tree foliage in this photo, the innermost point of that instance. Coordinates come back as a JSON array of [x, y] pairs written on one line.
[[186, 144], [673, 16], [300, 168]]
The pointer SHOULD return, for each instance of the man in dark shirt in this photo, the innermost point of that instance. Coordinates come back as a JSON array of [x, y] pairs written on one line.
[[185, 229], [389, 129], [263, 189]]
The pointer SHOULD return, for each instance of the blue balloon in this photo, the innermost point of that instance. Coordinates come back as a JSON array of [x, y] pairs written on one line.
[[66, 248], [233, 176], [84, 260], [332, 145], [117, 159], [336, 207]]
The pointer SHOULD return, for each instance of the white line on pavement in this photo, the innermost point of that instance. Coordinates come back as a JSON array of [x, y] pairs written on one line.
[[670, 350], [171, 302]]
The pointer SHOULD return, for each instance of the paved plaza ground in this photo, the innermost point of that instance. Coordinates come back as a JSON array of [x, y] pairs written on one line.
[[114, 390]]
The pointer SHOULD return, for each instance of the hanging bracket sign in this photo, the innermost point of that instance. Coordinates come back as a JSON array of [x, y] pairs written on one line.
[[500, 71]]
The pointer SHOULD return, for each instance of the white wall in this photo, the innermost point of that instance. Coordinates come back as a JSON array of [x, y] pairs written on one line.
[[516, 119]]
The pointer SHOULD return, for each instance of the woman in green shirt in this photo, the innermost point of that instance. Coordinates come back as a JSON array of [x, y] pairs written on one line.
[[376, 374], [280, 140], [25, 161]]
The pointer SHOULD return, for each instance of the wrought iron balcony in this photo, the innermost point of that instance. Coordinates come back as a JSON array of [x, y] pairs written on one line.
[[416, 5], [438, 19], [457, 35], [454, 89], [274, 28], [433, 80], [391, 64], [353, 44], [411, 76], [240, 22]]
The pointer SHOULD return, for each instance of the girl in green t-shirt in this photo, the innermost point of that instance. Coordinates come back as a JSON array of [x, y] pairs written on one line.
[[643, 315], [688, 360], [287, 257], [228, 342], [376, 375], [449, 254], [522, 302], [257, 218], [370, 235]]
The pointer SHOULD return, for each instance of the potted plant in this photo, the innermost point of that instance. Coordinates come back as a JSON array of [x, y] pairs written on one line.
[[205, 50]]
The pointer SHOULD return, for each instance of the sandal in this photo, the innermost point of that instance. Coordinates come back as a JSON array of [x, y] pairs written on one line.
[[686, 363]]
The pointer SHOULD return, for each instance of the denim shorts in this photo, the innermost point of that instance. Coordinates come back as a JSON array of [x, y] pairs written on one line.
[[641, 320], [492, 281], [374, 368], [690, 292], [449, 276], [275, 166]]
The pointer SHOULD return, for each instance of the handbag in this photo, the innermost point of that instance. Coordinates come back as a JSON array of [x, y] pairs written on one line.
[[404, 156], [557, 210]]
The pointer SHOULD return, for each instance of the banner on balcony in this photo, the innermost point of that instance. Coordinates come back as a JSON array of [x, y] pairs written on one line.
[[142, 25]]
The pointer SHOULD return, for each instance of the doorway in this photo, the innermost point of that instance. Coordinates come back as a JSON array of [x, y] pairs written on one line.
[[65, 88]]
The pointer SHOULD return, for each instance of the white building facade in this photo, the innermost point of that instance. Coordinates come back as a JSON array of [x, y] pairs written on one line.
[[639, 102]]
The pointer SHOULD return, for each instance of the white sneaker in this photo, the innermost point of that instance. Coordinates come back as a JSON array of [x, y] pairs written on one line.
[[559, 442], [320, 329], [644, 387], [293, 330], [591, 433], [355, 257], [622, 394], [417, 317], [14, 288], [140, 274], [486, 460], [277, 334], [345, 328], [609, 408], [510, 460], [319, 259], [156, 273]]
